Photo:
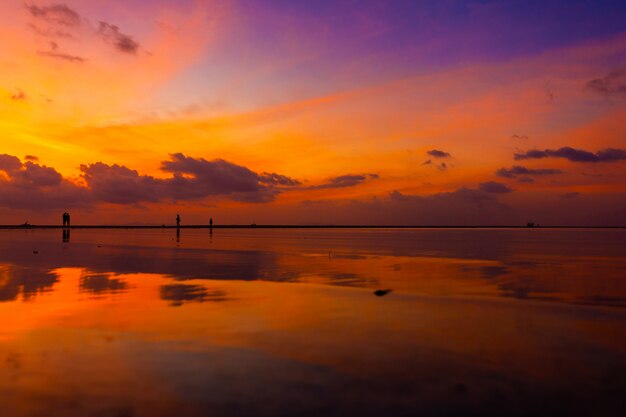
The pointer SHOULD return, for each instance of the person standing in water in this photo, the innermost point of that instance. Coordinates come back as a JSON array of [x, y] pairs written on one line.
[[211, 222], [177, 220]]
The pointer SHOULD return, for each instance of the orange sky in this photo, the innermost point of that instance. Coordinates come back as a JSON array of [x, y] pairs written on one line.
[[346, 120]]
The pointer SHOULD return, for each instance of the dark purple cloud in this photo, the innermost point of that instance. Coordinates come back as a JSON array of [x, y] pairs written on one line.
[[613, 85], [277, 179], [494, 187], [199, 178], [574, 155], [438, 154], [120, 185], [121, 41], [518, 170], [192, 179], [9, 163], [343, 181], [462, 206], [33, 186], [59, 14], [441, 167]]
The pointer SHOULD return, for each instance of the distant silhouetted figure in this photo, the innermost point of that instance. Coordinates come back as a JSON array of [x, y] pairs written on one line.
[[65, 219], [68, 219], [177, 220], [380, 293], [211, 222]]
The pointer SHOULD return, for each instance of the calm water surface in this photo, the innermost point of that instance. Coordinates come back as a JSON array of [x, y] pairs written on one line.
[[285, 322]]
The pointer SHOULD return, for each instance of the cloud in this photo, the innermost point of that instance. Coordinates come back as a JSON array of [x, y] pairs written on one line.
[[569, 196], [9, 163], [50, 32], [19, 95], [62, 56], [344, 181], [494, 187], [198, 178], [517, 170], [462, 206], [277, 179], [120, 185], [613, 85], [192, 179], [441, 167], [438, 154], [122, 42], [574, 155], [54, 52], [58, 14], [32, 158], [519, 137], [32, 185]]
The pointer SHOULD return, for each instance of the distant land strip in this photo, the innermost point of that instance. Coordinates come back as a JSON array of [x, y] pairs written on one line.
[[280, 226]]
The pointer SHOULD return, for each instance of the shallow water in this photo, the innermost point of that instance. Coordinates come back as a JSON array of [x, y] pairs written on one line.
[[152, 322]]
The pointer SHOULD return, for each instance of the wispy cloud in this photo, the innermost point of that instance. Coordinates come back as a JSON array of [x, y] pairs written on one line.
[[121, 41], [344, 181], [518, 170], [438, 154], [612, 85], [59, 14], [574, 155]]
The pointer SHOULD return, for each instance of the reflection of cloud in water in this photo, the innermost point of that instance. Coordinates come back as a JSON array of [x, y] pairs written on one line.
[[493, 271], [177, 294], [348, 279], [102, 284], [29, 282], [599, 300]]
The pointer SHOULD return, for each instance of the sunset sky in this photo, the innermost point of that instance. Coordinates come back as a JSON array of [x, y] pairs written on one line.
[[313, 112]]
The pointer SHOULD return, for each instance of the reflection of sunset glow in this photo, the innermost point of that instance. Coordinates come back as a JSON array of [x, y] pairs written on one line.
[[106, 320]]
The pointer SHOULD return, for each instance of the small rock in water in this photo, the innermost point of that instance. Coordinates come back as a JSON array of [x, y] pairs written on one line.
[[35, 252], [380, 293]]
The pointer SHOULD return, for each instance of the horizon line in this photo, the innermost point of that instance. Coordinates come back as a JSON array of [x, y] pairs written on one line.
[[296, 226]]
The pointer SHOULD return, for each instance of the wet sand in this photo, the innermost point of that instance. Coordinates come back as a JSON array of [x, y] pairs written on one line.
[[285, 322]]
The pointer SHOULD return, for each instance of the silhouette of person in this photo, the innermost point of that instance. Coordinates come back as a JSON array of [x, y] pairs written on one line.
[[68, 219], [64, 219], [177, 220], [211, 222]]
